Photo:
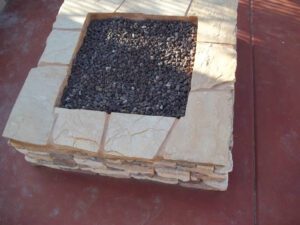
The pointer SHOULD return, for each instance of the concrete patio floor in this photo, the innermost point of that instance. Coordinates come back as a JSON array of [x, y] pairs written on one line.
[[264, 186]]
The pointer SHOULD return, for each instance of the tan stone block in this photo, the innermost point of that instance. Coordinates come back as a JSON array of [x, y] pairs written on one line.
[[214, 67], [89, 163], [39, 156], [164, 164], [199, 185], [60, 47], [156, 179], [208, 177], [132, 169], [32, 116], [114, 161], [136, 136], [203, 135], [227, 168], [173, 174], [107, 172], [75, 7], [69, 22], [204, 170], [72, 13], [216, 20], [218, 185], [78, 128], [156, 7]]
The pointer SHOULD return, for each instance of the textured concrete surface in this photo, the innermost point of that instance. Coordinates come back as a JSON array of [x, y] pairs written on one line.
[[263, 187]]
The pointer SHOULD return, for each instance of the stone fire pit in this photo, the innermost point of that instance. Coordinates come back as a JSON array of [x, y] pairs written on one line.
[[133, 103]]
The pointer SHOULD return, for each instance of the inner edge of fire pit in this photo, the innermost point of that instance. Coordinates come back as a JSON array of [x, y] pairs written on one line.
[[131, 16]]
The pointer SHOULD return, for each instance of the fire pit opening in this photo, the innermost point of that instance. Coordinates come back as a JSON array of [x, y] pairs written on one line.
[[133, 64]]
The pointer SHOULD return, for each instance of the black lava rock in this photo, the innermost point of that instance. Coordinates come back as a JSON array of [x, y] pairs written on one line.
[[127, 66]]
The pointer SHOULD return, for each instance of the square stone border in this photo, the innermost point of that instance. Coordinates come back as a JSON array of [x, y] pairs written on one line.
[[212, 76]]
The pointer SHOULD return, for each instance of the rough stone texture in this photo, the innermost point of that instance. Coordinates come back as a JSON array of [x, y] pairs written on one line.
[[136, 136], [214, 67], [227, 168], [60, 47], [204, 134], [132, 169], [175, 174], [81, 129], [75, 7], [89, 163], [156, 178], [72, 13], [196, 176], [156, 7], [32, 116], [216, 20], [105, 172], [72, 22]]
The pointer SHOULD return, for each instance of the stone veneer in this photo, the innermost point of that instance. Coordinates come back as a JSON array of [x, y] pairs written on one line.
[[193, 151]]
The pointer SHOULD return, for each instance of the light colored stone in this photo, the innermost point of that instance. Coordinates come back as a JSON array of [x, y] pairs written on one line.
[[227, 168], [22, 150], [74, 22], [218, 185], [39, 157], [205, 170], [173, 174], [136, 136], [78, 128], [32, 116], [114, 161], [156, 7], [197, 186], [60, 47], [164, 164], [212, 176], [75, 7], [214, 67], [72, 13], [89, 163], [216, 20], [108, 172], [155, 178], [203, 135], [132, 169]]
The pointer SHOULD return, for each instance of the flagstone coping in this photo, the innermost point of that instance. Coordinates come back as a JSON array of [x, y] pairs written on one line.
[[78, 128], [60, 47], [204, 134], [216, 20], [32, 117]]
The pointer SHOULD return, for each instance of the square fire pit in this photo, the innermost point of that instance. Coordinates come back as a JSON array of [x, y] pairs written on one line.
[[123, 93]]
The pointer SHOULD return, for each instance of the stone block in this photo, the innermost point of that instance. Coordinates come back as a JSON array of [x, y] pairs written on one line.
[[72, 13], [216, 20], [60, 47], [78, 128], [32, 116], [203, 135], [136, 136], [214, 67], [156, 7], [173, 174], [155, 178]]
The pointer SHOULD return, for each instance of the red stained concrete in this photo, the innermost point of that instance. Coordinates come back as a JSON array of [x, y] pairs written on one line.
[[264, 186]]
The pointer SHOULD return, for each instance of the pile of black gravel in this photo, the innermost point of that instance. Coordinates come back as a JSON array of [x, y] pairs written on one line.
[[141, 67]]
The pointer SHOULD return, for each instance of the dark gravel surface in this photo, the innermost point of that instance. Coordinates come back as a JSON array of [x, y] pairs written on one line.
[[140, 67]]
